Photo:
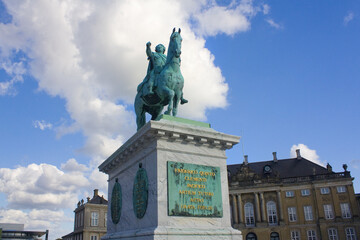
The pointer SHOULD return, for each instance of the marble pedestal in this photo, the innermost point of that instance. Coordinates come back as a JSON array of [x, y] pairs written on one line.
[[154, 145]]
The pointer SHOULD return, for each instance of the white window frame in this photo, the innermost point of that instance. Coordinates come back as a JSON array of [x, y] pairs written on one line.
[[305, 192], [93, 237], [105, 219], [289, 194], [295, 235], [311, 234], [292, 214], [325, 190], [345, 210], [249, 214], [271, 213], [328, 211], [333, 234], [350, 233], [308, 213], [94, 221], [341, 189]]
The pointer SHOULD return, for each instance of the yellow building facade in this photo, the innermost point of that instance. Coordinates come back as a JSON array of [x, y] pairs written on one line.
[[292, 199], [90, 219]]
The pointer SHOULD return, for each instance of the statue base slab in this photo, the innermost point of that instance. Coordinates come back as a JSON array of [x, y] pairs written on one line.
[[184, 161]]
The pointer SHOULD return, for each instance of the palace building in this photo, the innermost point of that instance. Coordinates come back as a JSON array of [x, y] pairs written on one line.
[[292, 199], [90, 219]]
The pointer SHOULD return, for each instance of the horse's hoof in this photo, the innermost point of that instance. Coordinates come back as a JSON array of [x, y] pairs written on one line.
[[167, 112], [183, 101]]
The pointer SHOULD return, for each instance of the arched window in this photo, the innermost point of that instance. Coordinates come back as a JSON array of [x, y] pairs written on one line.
[[274, 236], [251, 236], [271, 212], [249, 214]]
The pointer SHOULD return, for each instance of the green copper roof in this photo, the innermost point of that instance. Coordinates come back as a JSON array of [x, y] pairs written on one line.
[[183, 120]]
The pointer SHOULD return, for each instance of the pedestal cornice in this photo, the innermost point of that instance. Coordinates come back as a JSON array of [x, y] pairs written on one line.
[[169, 131]]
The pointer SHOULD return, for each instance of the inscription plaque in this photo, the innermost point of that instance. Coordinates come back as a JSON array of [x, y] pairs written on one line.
[[194, 190], [116, 202], [140, 192]]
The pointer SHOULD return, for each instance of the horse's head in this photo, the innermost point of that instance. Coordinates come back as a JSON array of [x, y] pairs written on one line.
[[175, 43]]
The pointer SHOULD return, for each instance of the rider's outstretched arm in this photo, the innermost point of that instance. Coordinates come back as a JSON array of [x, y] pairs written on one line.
[[149, 53]]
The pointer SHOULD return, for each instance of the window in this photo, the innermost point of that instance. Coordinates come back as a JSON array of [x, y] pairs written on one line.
[[308, 213], [94, 219], [305, 192], [76, 220], [345, 210], [350, 233], [93, 237], [249, 214], [325, 190], [251, 236], [311, 235], [271, 212], [274, 236], [341, 189], [328, 211], [289, 194], [105, 219], [82, 218], [292, 214], [332, 232], [295, 235]]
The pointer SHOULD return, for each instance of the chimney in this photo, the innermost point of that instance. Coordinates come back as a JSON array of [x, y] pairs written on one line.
[[298, 156], [274, 157], [329, 168], [96, 192], [246, 160]]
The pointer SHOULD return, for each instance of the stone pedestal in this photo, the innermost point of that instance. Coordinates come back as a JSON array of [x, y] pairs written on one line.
[[177, 149]]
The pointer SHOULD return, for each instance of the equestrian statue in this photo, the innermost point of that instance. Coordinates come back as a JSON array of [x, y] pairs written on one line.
[[163, 83]]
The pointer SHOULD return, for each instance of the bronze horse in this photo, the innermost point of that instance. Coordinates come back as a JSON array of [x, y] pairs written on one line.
[[167, 89]]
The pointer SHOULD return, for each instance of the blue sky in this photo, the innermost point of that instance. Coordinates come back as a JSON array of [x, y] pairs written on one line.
[[281, 74]]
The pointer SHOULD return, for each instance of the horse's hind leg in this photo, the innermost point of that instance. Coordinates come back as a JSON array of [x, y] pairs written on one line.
[[156, 112]]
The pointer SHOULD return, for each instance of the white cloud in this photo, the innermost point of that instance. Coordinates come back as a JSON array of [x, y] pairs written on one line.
[[274, 24], [266, 9], [92, 54], [73, 166], [37, 220], [39, 195], [355, 163], [16, 71], [42, 125], [98, 180], [349, 17], [231, 19], [307, 153], [220, 19], [41, 186]]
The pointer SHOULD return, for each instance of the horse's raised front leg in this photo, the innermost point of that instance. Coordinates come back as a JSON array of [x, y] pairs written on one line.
[[176, 102]]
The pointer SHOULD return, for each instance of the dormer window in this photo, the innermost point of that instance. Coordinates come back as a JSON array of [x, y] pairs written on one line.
[[267, 169]]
